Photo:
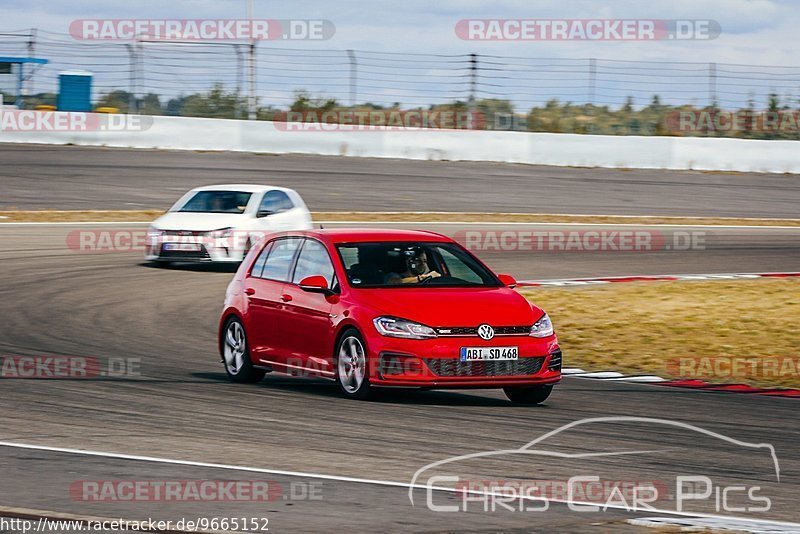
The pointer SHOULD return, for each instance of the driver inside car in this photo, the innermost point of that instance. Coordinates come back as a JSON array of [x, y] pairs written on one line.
[[417, 269]]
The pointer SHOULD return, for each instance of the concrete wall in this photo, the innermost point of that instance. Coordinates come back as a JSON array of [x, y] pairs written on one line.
[[185, 133]]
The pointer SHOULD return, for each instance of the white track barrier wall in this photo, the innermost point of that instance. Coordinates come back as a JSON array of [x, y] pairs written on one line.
[[680, 153]]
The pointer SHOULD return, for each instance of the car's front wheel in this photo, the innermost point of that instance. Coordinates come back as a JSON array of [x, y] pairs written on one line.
[[528, 394], [352, 367], [236, 354]]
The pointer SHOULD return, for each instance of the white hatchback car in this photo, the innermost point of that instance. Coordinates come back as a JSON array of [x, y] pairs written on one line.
[[221, 222]]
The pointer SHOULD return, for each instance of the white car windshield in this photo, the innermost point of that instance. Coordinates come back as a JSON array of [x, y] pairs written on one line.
[[217, 202]]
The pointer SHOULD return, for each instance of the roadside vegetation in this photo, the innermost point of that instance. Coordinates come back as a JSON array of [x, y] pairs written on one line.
[[555, 116]]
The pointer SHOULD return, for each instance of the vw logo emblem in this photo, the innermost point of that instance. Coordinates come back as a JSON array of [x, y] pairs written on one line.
[[486, 332]]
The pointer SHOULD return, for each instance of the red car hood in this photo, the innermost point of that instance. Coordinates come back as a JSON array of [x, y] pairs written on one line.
[[441, 307]]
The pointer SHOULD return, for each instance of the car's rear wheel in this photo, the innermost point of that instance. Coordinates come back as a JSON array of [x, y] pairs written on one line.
[[528, 394], [352, 366], [236, 354]]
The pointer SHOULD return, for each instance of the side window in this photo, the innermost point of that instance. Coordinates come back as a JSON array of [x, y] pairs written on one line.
[[280, 258], [258, 265], [313, 260], [275, 202], [349, 256]]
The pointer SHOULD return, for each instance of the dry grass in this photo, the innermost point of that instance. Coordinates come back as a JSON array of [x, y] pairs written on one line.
[[642, 327], [80, 216], [360, 216]]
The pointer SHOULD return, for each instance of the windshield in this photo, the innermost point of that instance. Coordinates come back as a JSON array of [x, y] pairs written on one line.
[[413, 264], [217, 202]]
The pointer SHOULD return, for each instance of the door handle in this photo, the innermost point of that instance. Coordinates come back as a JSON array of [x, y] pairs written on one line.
[[286, 298], [249, 291]]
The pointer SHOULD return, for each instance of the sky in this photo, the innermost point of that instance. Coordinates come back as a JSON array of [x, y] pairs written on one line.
[[754, 32]]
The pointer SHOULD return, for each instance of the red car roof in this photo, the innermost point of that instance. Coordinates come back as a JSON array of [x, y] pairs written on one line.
[[360, 235]]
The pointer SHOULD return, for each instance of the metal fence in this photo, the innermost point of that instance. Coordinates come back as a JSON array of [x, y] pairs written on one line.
[[172, 70]]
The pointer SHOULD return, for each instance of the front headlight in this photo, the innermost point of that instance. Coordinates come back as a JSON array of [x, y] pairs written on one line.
[[154, 232], [394, 327], [221, 233], [543, 327]]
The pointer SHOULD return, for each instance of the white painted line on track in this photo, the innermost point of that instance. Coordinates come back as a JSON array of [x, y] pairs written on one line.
[[599, 374], [375, 482], [645, 379]]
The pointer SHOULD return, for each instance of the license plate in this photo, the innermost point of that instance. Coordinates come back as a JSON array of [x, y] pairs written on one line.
[[188, 247], [470, 354]]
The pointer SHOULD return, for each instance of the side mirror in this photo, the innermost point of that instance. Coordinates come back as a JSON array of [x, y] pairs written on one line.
[[263, 213], [507, 280], [315, 284]]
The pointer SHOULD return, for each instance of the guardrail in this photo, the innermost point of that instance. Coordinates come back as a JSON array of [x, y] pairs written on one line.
[[183, 133]]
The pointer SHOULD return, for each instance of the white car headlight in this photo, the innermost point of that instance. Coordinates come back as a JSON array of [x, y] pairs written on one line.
[[394, 327], [221, 233], [154, 232], [543, 327]]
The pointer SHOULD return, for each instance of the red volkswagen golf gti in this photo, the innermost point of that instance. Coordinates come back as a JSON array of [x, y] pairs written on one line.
[[381, 308]]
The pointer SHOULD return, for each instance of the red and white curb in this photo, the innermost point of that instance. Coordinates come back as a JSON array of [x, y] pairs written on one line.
[[614, 376], [652, 278]]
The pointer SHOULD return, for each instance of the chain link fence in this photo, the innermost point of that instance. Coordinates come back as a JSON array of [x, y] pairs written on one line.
[[580, 95]]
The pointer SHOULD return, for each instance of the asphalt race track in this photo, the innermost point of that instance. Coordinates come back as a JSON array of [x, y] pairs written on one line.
[[178, 404], [37, 176]]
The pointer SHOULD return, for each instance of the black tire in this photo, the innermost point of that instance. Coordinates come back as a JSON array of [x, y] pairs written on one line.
[[237, 364], [348, 385], [528, 394]]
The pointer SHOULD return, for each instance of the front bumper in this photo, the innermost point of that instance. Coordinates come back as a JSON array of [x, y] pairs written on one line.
[[435, 363], [201, 250]]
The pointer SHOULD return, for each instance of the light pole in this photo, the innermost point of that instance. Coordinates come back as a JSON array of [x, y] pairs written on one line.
[[251, 68]]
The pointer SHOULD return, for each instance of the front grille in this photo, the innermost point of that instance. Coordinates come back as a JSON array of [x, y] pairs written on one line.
[[193, 255], [452, 367], [184, 233], [466, 331]]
